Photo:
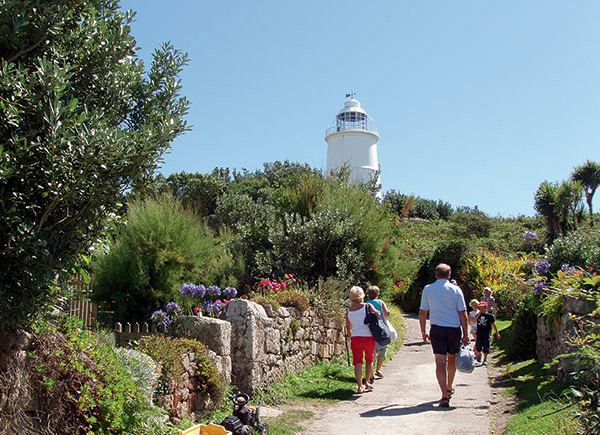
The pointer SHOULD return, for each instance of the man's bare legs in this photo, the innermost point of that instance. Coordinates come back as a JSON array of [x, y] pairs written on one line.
[[445, 370]]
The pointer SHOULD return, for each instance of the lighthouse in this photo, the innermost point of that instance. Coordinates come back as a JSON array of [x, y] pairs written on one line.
[[352, 141]]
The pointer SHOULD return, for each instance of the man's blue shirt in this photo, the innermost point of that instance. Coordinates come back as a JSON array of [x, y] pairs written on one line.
[[443, 300]]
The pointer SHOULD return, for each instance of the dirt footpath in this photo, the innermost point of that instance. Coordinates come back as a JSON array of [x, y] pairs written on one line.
[[405, 401]]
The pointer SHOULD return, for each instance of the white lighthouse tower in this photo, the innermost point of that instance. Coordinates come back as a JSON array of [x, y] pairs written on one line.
[[352, 141]]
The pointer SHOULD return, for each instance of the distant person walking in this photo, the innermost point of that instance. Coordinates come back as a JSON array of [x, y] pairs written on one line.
[[373, 293], [361, 339], [485, 322], [445, 304], [489, 300]]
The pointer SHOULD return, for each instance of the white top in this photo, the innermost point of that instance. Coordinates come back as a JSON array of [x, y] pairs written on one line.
[[443, 300], [357, 319]]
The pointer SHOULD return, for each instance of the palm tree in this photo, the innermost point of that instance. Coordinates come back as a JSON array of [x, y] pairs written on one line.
[[569, 205], [588, 175], [546, 204]]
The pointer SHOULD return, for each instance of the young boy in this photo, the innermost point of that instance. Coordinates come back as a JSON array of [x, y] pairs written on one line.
[[485, 322]]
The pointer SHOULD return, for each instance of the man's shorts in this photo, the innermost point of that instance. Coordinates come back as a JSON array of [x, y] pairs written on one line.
[[482, 344], [360, 345], [444, 339]]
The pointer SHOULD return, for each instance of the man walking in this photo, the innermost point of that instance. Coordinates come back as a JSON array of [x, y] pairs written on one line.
[[445, 304]]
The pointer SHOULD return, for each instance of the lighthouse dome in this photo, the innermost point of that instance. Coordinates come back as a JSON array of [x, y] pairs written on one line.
[[352, 117]]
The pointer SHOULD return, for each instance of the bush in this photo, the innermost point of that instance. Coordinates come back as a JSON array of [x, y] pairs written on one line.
[[523, 330], [84, 387], [577, 249], [161, 247], [454, 253]]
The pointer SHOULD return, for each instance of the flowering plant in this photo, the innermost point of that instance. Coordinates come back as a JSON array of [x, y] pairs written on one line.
[[210, 297], [272, 286], [163, 318]]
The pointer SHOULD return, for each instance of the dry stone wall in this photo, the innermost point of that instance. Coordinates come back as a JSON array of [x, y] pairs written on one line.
[[552, 342], [268, 343]]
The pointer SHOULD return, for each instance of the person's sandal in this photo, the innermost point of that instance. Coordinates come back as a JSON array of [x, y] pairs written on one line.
[[360, 391], [445, 402], [450, 393], [369, 387], [379, 374]]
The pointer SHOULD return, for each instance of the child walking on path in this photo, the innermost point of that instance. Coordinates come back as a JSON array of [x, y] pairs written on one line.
[[485, 322], [474, 304]]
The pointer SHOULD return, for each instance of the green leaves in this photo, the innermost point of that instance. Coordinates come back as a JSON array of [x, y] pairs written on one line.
[[80, 124]]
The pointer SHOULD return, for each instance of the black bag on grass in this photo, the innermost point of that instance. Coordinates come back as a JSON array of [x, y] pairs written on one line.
[[378, 328]]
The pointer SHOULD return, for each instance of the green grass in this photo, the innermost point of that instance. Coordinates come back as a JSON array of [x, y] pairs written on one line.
[[543, 402]]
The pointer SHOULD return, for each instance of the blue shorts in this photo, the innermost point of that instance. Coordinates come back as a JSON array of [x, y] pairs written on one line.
[[445, 339]]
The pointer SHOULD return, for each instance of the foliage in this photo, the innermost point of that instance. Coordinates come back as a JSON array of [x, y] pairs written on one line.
[[86, 388], [80, 124], [168, 352], [197, 192], [523, 330], [208, 298], [560, 205], [588, 175], [161, 246], [577, 248], [142, 368], [471, 225], [409, 206], [453, 252], [504, 276]]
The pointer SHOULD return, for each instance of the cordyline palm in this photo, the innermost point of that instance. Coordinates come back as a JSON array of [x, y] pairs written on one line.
[[588, 175], [546, 204]]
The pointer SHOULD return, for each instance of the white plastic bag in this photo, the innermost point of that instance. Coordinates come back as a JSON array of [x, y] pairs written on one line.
[[393, 333], [465, 360]]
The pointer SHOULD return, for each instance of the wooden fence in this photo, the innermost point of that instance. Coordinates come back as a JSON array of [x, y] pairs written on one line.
[[85, 310], [126, 333]]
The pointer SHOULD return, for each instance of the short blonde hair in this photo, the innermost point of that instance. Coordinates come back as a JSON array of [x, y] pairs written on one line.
[[357, 294], [474, 301], [373, 292]]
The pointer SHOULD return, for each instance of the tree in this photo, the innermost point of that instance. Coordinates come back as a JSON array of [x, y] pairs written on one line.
[[588, 175], [545, 203], [80, 124]]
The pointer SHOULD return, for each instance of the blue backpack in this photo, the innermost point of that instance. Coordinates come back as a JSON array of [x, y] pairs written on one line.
[[378, 328]]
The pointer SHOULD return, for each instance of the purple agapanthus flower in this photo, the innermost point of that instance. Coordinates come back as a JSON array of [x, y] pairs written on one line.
[[213, 290], [567, 269], [173, 307], [187, 289], [161, 318], [528, 236], [229, 293], [542, 267], [207, 305], [199, 291]]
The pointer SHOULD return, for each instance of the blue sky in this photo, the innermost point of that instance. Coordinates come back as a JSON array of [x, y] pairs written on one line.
[[476, 103]]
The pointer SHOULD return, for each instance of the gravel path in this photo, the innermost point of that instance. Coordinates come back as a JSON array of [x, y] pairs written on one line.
[[405, 400]]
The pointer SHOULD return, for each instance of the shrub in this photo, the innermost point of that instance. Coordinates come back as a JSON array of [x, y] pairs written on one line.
[[161, 247], [453, 253], [578, 248], [85, 388], [523, 330]]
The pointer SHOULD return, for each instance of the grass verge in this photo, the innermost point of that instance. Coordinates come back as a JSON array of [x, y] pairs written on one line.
[[542, 402]]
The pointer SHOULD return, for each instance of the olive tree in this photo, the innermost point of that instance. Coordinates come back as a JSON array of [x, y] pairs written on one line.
[[81, 123]]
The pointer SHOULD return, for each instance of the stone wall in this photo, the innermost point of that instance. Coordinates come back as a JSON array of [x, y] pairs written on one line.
[[554, 342], [268, 343]]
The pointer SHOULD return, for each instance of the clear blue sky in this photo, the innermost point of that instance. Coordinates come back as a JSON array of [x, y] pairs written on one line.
[[477, 102]]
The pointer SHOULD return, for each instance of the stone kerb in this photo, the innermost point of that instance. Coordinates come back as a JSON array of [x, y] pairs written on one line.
[[214, 333], [267, 343]]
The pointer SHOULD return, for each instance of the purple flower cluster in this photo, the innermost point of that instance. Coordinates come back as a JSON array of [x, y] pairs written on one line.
[[213, 290], [542, 267], [193, 290], [568, 269], [173, 308], [540, 286], [528, 236], [161, 318], [229, 293]]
